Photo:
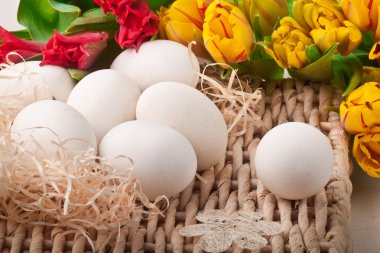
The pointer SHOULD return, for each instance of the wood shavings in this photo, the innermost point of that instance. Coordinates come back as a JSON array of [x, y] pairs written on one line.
[[220, 230], [235, 99], [76, 190]]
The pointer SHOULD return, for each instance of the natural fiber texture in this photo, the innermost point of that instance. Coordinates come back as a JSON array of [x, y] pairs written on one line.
[[318, 224], [220, 230]]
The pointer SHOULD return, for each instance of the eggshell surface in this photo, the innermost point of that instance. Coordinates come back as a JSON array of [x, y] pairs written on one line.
[[157, 61], [44, 122], [191, 113], [105, 98], [294, 160], [163, 159], [34, 82]]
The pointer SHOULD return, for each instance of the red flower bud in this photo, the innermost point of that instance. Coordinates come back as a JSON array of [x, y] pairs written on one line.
[[137, 21], [11, 43], [77, 51]]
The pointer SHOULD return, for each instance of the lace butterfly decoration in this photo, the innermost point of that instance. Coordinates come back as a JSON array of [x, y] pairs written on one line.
[[220, 230]]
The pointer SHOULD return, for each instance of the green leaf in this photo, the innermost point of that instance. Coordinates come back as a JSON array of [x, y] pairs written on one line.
[[290, 7], [362, 56], [77, 74], [156, 4], [84, 5], [257, 28], [267, 69], [368, 41], [312, 53], [23, 34], [263, 65], [319, 70], [93, 19], [43, 16], [347, 71]]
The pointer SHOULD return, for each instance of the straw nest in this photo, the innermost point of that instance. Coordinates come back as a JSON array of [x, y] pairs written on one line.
[[81, 191]]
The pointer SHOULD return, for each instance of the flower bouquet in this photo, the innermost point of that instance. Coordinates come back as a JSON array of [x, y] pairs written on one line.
[[262, 63]]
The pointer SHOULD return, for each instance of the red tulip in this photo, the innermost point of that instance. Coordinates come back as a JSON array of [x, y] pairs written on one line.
[[137, 21], [77, 51], [11, 43]]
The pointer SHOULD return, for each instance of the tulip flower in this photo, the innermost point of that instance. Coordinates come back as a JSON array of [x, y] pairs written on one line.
[[361, 110], [138, 22], [268, 11], [11, 43], [77, 51], [327, 23], [227, 34], [366, 150], [182, 22], [288, 45], [364, 14]]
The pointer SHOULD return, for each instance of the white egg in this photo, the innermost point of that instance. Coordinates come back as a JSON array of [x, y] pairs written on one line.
[[163, 159], [34, 82], [105, 98], [158, 61], [294, 160], [48, 123], [191, 113]]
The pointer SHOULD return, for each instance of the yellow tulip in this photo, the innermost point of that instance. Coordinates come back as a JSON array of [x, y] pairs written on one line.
[[361, 110], [366, 150], [327, 23], [269, 11], [364, 14], [227, 34], [183, 22], [288, 44], [348, 36], [374, 54]]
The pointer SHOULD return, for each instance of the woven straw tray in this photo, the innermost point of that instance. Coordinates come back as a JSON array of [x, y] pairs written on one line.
[[318, 224]]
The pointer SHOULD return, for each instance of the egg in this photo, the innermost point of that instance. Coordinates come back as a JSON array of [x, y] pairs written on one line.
[[191, 113], [163, 159], [48, 122], [33, 82], [157, 61], [105, 98], [294, 160]]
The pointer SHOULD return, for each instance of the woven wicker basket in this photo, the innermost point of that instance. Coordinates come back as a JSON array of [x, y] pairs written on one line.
[[319, 224]]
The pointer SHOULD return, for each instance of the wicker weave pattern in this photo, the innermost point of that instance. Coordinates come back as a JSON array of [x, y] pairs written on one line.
[[319, 224]]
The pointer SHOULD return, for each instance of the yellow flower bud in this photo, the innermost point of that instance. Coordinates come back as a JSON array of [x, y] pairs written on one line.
[[327, 23], [366, 150], [183, 22], [361, 110], [269, 11], [348, 36], [364, 14], [288, 44], [227, 34]]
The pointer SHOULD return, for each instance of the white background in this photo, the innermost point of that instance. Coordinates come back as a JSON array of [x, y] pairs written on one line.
[[365, 198], [8, 15]]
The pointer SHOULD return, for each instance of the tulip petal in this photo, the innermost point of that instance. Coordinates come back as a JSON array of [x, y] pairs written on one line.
[[375, 51], [354, 10], [366, 152]]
